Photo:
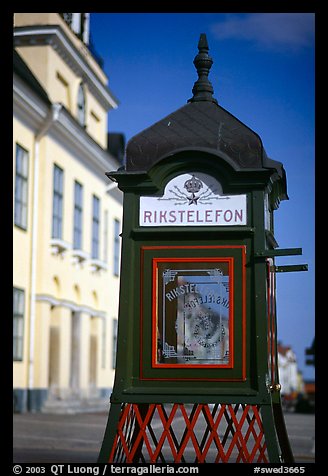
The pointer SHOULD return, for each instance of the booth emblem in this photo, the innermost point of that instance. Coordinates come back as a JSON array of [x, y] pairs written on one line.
[[209, 206], [193, 186]]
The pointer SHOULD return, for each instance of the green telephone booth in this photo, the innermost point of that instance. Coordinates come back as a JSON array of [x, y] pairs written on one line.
[[196, 377]]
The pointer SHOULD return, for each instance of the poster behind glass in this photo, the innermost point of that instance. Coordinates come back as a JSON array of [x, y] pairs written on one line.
[[193, 313]]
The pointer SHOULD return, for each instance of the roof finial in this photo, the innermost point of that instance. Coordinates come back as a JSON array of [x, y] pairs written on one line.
[[203, 89]]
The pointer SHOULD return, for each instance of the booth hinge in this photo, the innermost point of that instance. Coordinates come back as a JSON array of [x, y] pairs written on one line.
[[276, 387]]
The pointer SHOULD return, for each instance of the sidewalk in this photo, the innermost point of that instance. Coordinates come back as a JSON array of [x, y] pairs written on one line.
[[49, 438]]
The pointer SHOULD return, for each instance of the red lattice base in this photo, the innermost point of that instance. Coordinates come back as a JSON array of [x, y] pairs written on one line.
[[181, 433]]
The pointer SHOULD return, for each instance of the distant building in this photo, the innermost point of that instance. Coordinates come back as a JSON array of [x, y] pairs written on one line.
[[67, 219], [290, 377]]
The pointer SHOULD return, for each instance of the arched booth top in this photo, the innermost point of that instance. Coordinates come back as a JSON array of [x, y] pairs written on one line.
[[205, 128]]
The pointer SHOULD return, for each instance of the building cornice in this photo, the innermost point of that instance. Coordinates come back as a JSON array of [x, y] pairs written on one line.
[[32, 109], [54, 36], [74, 135], [70, 305], [27, 104]]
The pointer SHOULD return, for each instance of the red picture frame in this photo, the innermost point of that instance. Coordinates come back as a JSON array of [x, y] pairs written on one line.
[[151, 257]]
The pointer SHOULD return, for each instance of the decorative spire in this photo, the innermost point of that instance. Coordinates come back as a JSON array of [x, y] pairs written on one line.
[[203, 89]]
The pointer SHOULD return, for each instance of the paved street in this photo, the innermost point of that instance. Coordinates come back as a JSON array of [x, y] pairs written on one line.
[[301, 434], [47, 438]]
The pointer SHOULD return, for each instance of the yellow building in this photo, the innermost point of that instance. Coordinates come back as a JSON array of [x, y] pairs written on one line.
[[67, 217]]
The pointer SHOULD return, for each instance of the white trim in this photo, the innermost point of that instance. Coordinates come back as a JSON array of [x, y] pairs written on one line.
[[84, 146], [111, 186], [79, 255], [59, 246], [56, 37], [27, 104], [97, 264], [70, 305]]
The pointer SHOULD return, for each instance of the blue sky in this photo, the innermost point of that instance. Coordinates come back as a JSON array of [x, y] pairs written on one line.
[[263, 73]]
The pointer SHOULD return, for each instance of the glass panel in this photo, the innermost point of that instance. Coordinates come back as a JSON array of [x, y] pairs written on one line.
[[193, 318], [24, 163], [56, 179], [15, 325], [20, 305], [24, 191], [18, 189], [18, 213], [57, 213], [24, 217], [15, 349], [96, 208], [95, 227], [19, 159], [18, 323], [19, 349], [77, 228], [21, 187], [19, 326]]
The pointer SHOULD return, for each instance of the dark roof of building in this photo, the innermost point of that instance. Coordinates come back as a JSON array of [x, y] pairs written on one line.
[[22, 70]]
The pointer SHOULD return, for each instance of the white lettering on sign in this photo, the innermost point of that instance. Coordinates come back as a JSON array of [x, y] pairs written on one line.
[[193, 199]]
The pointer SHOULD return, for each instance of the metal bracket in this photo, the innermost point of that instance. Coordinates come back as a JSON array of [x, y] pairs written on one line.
[[290, 267], [278, 252], [283, 252]]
